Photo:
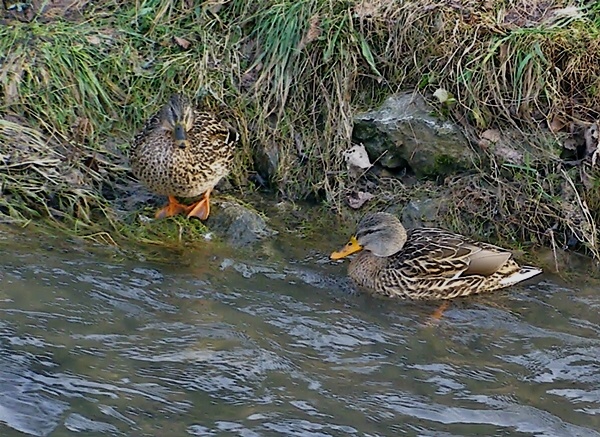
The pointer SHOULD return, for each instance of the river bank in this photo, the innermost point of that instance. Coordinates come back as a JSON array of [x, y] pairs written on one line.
[[517, 81]]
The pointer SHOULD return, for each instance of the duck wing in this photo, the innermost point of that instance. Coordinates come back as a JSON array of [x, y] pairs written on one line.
[[433, 252]]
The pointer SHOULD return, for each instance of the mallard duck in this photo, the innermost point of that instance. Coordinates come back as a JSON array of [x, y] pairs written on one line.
[[426, 263], [183, 152]]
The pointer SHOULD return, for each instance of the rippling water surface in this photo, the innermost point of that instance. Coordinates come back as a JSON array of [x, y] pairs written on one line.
[[98, 344]]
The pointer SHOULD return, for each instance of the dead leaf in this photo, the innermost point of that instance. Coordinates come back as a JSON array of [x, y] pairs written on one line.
[[568, 12], [442, 95], [314, 32], [592, 142], [586, 179], [491, 135], [182, 42], [214, 6], [369, 8], [298, 141], [93, 39], [74, 177], [570, 144], [358, 199], [357, 157], [11, 76], [508, 153], [501, 146], [556, 124]]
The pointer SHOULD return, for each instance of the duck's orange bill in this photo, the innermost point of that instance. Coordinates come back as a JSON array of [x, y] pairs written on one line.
[[348, 249]]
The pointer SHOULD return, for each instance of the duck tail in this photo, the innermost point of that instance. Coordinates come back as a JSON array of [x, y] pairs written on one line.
[[523, 274]]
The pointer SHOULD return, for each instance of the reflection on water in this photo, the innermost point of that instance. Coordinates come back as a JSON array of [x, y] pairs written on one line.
[[92, 344]]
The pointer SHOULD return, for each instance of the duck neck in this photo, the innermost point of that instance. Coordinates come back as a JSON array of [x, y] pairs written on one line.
[[365, 268]]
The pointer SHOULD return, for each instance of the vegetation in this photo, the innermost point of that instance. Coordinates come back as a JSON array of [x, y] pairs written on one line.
[[79, 79]]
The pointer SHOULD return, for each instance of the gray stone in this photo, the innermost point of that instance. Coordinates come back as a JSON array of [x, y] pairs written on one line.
[[402, 132], [267, 159], [422, 213], [419, 213], [238, 225]]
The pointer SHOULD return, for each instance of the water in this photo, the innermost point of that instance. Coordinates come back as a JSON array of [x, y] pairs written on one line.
[[212, 343]]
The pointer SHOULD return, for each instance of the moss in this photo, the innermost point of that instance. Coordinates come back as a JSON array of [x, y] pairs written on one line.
[[444, 165]]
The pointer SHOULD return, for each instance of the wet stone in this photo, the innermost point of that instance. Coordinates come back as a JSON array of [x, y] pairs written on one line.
[[239, 225]]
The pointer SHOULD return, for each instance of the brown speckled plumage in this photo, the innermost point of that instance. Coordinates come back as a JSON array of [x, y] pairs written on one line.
[[172, 166], [426, 263]]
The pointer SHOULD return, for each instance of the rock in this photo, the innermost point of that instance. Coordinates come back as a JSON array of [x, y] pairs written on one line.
[[266, 161], [402, 132], [239, 225], [422, 213], [267, 154]]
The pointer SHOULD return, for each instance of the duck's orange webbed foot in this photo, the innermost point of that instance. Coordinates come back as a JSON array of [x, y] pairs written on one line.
[[437, 314], [200, 209], [173, 208]]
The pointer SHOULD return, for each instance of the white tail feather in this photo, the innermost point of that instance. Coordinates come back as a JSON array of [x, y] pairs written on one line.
[[523, 274]]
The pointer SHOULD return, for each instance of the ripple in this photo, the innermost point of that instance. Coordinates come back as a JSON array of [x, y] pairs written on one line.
[[266, 347], [521, 418], [78, 423], [22, 406]]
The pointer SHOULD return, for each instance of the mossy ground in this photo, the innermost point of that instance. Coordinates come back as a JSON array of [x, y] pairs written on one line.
[[78, 80]]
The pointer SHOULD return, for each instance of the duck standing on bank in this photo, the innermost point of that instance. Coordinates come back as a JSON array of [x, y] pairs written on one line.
[[183, 152], [426, 263]]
